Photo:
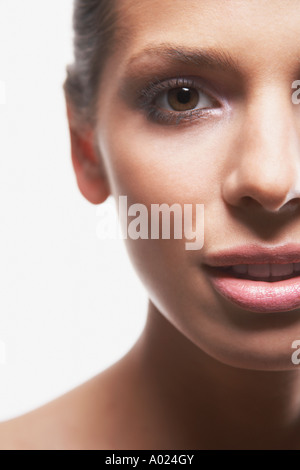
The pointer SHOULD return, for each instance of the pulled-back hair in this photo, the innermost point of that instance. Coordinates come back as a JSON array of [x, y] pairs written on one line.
[[93, 22]]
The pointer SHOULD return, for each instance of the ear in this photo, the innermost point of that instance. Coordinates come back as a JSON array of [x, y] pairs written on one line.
[[87, 163]]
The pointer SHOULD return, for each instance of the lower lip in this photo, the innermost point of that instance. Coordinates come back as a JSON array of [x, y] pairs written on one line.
[[258, 296]]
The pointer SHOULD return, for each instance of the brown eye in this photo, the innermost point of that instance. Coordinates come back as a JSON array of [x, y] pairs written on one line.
[[181, 99]]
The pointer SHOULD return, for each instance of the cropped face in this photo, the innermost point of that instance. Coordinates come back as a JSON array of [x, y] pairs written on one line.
[[196, 107]]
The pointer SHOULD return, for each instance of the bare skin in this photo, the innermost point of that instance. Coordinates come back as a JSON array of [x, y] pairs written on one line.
[[135, 404], [205, 373]]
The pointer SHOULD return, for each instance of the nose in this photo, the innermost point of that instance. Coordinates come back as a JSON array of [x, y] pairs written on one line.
[[264, 165]]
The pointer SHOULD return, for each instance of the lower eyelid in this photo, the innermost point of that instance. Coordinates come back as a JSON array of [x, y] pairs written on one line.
[[155, 115], [148, 95]]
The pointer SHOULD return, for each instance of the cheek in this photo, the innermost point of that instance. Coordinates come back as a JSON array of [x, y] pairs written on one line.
[[163, 163], [156, 165]]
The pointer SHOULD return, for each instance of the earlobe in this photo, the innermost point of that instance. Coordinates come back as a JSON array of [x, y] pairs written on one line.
[[88, 167]]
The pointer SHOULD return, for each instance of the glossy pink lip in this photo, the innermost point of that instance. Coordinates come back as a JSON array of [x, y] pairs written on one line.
[[256, 296]]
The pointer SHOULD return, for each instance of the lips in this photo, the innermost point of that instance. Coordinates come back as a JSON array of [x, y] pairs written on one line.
[[259, 279]]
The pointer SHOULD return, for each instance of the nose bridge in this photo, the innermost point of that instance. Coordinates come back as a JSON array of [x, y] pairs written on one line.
[[269, 128], [267, 163]]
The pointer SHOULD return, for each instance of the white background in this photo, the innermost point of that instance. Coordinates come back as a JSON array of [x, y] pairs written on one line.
[[70, 303]]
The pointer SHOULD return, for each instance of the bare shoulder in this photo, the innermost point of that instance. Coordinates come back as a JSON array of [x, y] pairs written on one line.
[[76, 420]]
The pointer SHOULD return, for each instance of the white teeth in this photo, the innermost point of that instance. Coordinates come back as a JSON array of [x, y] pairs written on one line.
[[240, 268], [267, 270], [259, 270], [296, 266], [281, 269]]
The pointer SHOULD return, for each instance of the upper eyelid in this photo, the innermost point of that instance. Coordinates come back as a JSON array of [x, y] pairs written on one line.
[[153, 88]]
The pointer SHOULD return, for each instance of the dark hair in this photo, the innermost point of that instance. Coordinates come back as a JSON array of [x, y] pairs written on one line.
[[93, 22]]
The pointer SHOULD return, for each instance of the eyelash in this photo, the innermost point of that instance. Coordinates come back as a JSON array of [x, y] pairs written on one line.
[[151, 92]]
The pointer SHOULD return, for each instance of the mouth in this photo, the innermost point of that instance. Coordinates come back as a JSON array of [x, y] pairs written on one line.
[[263, 272], [257, 279]]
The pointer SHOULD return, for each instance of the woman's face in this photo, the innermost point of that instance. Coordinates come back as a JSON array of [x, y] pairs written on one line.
[[195, 107]]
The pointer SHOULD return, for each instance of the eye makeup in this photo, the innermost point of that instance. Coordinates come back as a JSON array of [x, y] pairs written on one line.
[[176, 100]]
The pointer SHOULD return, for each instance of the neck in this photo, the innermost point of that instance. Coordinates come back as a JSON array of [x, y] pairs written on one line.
[[204, 402]]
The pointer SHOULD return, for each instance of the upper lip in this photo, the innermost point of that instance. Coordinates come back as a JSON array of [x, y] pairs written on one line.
[[255, 254]]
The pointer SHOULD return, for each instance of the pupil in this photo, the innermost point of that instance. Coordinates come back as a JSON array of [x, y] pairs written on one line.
[[184, 95]]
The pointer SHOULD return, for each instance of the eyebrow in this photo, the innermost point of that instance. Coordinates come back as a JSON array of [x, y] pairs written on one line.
[[211, 58]]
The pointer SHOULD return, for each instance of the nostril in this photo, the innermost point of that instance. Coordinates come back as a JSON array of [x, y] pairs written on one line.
[[271, 205], [249, 201]]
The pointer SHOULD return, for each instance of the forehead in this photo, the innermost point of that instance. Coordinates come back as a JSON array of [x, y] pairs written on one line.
[[254, 31], [189, 16]]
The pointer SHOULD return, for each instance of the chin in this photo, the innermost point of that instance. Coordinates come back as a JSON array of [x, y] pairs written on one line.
[[258, 360], [247, 340], [266, 352]]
